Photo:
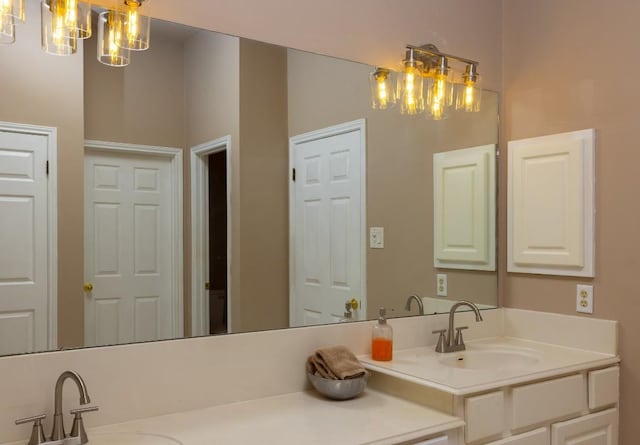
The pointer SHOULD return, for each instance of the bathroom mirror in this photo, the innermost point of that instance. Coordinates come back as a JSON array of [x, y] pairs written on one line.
[[177, 204]]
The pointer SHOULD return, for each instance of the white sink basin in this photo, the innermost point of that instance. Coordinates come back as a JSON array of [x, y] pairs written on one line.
[[490, 359], [131, 439]]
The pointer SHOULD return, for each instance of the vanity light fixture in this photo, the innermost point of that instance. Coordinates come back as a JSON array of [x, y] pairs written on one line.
[[109, 33], [427, 64], [383, 93], [58, 33], [410, 85], [136, 28], [11, 11]]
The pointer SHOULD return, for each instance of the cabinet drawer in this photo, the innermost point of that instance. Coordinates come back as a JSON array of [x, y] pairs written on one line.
[[547, 401], [603, 387], [535, 437], [595, 429], [484, 416]]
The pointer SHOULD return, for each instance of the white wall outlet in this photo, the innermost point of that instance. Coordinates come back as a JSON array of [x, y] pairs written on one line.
[[441, 285], [584, 298], [376, 237]]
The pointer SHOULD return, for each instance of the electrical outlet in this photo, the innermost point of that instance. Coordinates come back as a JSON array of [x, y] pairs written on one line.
[[376, 237], [584, 298], [441, 285]]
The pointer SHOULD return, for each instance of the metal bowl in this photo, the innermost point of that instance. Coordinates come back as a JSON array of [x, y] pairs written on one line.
[[339, 389]]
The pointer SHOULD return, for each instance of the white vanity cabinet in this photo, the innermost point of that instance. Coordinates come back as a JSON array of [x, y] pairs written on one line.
[[577, 409]]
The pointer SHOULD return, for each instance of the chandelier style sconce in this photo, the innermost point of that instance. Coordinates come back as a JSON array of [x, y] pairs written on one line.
[[426, 83], [11, 13], [63, 22]]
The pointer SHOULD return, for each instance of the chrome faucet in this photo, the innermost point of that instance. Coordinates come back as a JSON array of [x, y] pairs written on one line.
[[407, 306], [447, 343], [58, 422]]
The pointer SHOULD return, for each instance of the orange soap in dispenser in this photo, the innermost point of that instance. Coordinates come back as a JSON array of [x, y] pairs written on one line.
[[382, 339]]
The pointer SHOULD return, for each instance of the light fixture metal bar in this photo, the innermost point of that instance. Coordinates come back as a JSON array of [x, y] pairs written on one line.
[[432, 50]]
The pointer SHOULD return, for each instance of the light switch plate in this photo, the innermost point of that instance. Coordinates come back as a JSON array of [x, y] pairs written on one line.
[[376, 237], [584, 298], [441, 285]]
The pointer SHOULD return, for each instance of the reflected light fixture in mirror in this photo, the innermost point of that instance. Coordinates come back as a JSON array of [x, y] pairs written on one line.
[[383, 93], [410, 85], [109, 33], [135, 27]]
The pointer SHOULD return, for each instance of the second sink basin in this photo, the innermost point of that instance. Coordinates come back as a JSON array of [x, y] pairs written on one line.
[[131, 439], [490, 359]]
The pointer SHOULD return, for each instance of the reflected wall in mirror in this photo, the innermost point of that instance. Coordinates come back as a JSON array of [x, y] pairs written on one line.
[[171, 193]]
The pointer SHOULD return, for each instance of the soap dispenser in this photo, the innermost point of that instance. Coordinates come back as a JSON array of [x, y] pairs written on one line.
[[382, 339]]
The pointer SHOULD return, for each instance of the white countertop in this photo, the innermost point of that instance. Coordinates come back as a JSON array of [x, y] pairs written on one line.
[[423, 365], [303, 418]]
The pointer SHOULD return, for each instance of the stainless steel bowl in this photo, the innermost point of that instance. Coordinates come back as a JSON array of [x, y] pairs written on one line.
[[339, 389]]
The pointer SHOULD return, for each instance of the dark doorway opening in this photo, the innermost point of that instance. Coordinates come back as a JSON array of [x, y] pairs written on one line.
[[218, 286]]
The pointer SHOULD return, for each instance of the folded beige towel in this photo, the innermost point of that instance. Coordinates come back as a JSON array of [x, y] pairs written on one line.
[[336, 363]]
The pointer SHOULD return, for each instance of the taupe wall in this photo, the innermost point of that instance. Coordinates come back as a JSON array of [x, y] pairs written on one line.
[[46, 90], [212, 89], [555, 80], [263, 298], [324, 92]]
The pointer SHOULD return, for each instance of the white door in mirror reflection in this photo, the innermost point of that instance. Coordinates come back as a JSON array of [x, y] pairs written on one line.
[[128, 230], [327, 224], [24, 286]]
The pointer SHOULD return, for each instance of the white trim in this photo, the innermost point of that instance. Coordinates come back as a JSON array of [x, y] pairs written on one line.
[[51, 133], [200, 233], [335, 130], [177, 273]]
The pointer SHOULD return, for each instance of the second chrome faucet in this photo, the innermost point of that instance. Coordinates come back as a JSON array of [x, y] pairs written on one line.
[[446, 341]]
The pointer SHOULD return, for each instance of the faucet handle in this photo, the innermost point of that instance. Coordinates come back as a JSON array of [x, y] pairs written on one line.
[[37, 433], [459, 340], [77, 430], [441, 339]]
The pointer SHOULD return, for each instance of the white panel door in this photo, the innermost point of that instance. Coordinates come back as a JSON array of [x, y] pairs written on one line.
[[464, 195], [128, 230], [24, 282], [327, 220]]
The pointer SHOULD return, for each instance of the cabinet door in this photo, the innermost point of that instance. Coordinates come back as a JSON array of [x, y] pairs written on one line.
[[594, 429], [536, 437]]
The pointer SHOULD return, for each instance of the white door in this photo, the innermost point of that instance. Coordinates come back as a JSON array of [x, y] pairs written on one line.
[[128, 259], [327, 219], [24, 281]]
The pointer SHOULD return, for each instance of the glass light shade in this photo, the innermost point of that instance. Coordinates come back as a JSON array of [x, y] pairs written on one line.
[[109, 31], [410, 87], [83, 20], [440, 93], [7, 30], [136, 28], [469, 92], [383, 93], [12, 8], [57, 37]]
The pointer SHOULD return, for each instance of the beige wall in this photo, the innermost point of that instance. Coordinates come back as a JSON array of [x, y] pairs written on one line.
[[263, 300], [212, 89], [40, 89], [326, 91], [568, 66]]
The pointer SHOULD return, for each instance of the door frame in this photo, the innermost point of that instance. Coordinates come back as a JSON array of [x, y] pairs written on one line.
[[51, 133], [335, 130], [177, 271], [200, 233]]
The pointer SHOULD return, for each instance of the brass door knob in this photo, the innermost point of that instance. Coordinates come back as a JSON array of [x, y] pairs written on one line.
[[352, 304], [88, 287]]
